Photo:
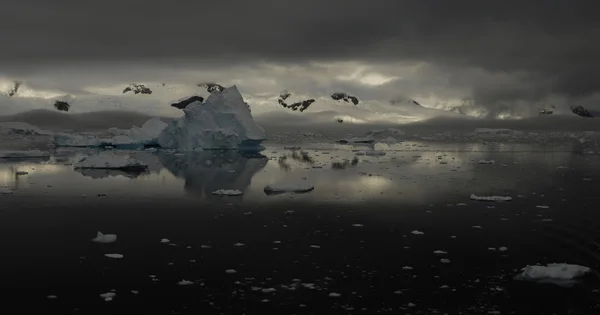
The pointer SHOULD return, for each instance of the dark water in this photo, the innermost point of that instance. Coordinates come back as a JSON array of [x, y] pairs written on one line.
[[350, 236]]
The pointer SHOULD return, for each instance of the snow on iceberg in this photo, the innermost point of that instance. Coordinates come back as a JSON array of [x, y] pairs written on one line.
[[224, 121], [13, 154], [109, 160], [553, 273], [288, 188], [131, 138]]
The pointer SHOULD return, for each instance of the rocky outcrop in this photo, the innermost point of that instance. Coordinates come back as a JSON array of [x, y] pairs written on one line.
[[581, 111], [302, 105], [345, 97], [137, 89], [212, 87], [62, 106]]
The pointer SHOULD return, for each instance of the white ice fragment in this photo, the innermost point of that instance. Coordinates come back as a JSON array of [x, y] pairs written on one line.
[[357, 225], [114, 256], [230, 271], [238, 244], [440, 252], [165, 240], [108, 296], [135, 291], [298, 187], [104, 238], [227, 192], [407, 268], [110, 160], [15, 154], [552, 272], [503, 248], [52, 297], [334, 295], [205, 247], [315, 246], [417, 232], [490, 198], [268, 290], [542, 207], [185, 282], [223, 121], [445, 261]]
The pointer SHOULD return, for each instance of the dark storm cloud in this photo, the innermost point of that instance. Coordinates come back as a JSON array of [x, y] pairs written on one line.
[[541, 46]]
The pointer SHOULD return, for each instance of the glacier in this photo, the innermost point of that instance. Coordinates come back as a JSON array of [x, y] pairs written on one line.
[[223, 121]]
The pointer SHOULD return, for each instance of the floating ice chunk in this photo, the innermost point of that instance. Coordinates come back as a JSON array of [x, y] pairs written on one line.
[[114, 256], [15, 154], [417, 232], [105, 238], [315, 246], [52, 297], [108, 296], [299, 187], [228, 192], [487, 162], [165, 240], [109, 160], [238, 244], [230, 271], [268, 290], [503, 248], [490, 198], [440, 252], [223, 121], [185, 282], [553, 273], [357, 225], [445, 261], [542, 207], [407, 268], [334, 295]]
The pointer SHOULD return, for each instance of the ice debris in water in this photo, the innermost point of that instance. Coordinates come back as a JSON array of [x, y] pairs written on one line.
[[185, 282], [165, 240], [490, 198], [105, 238], [417, 232], [552, 273], [230, 271], [227, 192], [223, 121], [299, 187], [16, 154], [110, 160], [114, 256]]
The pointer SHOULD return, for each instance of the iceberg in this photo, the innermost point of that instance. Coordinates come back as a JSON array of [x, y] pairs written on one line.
[[223, 121], [104, 238], [134, 138], [109, 160], [281, 188], [560, 274]]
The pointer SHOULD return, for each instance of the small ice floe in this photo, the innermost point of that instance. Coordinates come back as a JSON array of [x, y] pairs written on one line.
[[111, 161], [440, 252], [230, 271], [462, 204], [542, 207], [398, 292], [503, 248], [357, 225], [205, 247], [334, 295], [52, 297], [300, 187], [30, 154], [238, 244], [165, 240], [407, 268], [185, 282], [477, 227], [490, 198], [135, 292], [114, 256], [416, 232], [445, 261], [561, 274], [227, 192], [105, 238], [268, 290], [108, 296], [315, 246]]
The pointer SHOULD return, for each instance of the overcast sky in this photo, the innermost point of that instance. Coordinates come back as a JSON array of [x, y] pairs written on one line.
[[504, 55]]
